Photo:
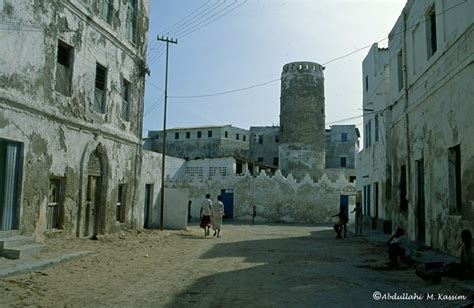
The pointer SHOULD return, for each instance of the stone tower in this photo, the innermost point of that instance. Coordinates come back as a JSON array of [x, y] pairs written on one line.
[[302, 146]]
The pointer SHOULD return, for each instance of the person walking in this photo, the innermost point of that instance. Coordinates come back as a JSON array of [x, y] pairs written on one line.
[[217, 213], [341, 223], [358, 218], [205, 215], [254, 214]]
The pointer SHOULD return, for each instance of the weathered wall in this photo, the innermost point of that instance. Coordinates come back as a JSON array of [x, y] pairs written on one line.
[[218, 145], [302, 119], [277, 198], [430, 112], [59, 133], [268, 148]]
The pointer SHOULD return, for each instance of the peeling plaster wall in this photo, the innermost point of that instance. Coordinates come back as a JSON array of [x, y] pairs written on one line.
[[433, 115], [277, 198], [268, 149], [58, 133]]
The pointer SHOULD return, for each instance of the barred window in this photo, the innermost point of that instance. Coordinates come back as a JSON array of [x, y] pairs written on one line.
[[194, 171]]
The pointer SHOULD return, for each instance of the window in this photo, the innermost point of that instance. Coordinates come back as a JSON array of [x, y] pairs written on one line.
[[368, 134], [194, 171], [376, 128], [132, 20], [400, 70], [431, 40], [277, 139], [367, 200], [366, 83], [209, 134], [260, 139], [100, 88], [237, 137], [64, 69], [188, 135], [126, 100], [226, 134], [343, 162], [275, 161], [352, 178], [260, 159], [454, 179], [244, 138], [213, 171], [120, 212], [199, 134], [403, 189], [105, 10], [54, 203], [176, 135], [343, 137]]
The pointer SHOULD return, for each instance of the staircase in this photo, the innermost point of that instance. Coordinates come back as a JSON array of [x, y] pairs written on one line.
[[14, 246]]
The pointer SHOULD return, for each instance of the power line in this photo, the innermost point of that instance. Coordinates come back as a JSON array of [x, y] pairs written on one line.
[[325, 63], [188, 19]]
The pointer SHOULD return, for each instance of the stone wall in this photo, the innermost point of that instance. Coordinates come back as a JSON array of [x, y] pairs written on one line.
[[277, 198]]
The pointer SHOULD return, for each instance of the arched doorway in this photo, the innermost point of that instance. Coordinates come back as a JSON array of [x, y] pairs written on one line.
[[94, 212]]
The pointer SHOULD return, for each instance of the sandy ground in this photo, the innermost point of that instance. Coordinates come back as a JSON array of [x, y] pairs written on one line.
[[251, 266]]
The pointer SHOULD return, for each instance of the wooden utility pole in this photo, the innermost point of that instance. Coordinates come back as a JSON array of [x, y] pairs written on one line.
[[167, 41]]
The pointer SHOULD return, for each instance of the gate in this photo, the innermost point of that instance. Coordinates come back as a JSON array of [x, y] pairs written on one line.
[[228, 200]]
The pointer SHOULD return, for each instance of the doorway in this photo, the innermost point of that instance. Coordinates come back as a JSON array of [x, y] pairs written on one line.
[[228, 200], [10, 179], [94, 211], [420, 200], [92, 223], [147, 205]]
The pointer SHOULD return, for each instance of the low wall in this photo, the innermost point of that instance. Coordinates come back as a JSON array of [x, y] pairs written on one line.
[[277, 198]]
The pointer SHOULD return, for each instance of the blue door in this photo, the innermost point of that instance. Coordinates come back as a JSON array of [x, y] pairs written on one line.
[[344, 204], [228, 200]]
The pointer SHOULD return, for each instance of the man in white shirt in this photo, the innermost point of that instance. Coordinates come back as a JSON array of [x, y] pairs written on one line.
[[206, 214]]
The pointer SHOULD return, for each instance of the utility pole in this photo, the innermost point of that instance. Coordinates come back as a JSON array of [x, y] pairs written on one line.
[[167, 41]]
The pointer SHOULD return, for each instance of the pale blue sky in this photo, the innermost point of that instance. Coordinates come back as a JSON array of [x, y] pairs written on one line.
[[249, 46]]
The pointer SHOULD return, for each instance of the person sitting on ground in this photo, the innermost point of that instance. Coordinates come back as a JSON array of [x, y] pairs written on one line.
[[341, 223], [400, 248], [463, 270]]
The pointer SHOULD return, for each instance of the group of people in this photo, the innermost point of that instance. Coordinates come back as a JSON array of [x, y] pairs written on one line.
[[341, 225], [211, 215]]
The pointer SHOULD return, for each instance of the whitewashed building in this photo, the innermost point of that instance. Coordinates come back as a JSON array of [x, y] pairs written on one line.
[[426, 183]]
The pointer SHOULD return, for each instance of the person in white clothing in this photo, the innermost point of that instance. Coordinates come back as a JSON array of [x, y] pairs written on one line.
[[205, 215], [217, 213]]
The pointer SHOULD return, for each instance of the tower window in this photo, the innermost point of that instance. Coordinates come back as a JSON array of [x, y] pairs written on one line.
[[431, 40]]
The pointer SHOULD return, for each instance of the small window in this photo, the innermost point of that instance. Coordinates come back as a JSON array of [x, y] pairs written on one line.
[[244, 137], [126, 100], [352, 178], [105, 10], [431, 39], [188, 135], [64, 69], [343, 137], [366, 83], [260, 159], [277, 139], [226, 134], [403, 189], [131, 22], [400, 70], [100, 88], [260, 139], [209, 134], [176, 135], [199, 135], [343, 163], [376, 128], [275, 161], [237, 137], [120, 212]]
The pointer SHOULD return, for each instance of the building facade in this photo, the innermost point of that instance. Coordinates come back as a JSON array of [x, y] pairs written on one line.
[[264, 143], [342, 144], [71, 109], [427, 185], [201, 142]]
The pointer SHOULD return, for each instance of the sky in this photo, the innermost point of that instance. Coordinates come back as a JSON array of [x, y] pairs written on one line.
[[226, 45]]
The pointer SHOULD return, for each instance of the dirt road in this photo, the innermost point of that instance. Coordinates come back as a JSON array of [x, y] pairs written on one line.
[[256, 266]]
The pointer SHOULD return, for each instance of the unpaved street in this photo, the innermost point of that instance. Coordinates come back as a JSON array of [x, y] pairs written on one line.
[[257, 266]]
